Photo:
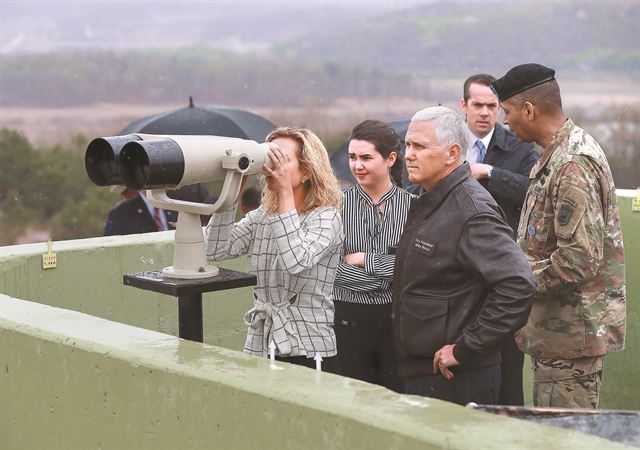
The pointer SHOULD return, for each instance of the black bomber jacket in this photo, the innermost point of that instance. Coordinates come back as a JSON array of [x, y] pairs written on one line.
[[459, 278]]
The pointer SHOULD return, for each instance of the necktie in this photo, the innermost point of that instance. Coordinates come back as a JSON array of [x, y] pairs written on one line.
[[481, 151], [158, 219]]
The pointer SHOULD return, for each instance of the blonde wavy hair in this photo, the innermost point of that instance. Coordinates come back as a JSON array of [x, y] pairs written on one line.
[[323, 188]]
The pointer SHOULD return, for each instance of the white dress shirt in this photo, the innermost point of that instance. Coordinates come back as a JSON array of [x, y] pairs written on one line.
[[472, 150], [151, 208]]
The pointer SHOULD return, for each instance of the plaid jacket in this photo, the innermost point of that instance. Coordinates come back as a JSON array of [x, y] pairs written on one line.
[[294, 258]]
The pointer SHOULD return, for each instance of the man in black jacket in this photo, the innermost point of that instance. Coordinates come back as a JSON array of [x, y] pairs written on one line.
[[501, 164], [473, 286]]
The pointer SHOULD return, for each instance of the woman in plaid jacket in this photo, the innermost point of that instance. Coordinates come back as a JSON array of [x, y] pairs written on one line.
[[293, 240]]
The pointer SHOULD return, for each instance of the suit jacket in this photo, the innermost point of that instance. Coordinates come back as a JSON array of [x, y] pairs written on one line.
[[132, 217], [512, 161]]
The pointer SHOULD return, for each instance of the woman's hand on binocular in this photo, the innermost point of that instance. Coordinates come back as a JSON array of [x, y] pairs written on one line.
[[278, 177]]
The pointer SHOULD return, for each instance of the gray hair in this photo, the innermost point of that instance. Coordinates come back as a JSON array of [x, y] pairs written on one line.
[[450, 127]]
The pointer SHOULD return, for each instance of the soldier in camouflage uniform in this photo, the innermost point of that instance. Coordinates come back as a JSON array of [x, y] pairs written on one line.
[[570, 232]]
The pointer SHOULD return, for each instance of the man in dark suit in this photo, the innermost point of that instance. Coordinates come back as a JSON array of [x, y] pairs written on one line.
[[136, 215], [502, 165], [499, 161]]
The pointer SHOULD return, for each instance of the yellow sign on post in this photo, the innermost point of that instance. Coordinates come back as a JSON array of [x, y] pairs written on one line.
[[49, 259], [635, 203]]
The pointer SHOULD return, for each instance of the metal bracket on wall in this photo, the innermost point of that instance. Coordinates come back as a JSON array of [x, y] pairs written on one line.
[[49, 259]]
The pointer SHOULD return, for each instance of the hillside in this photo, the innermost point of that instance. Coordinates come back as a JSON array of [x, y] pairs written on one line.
[[440, 37], [456, 37], [239, 26], [302, 54]]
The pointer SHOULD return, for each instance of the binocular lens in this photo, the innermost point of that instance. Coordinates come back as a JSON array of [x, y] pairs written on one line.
[[101, 158], [151, 164], [148, 161], [132, 163]]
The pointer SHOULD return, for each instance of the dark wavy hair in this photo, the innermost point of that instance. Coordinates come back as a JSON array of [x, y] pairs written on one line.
[[483, 79], [384, 139]]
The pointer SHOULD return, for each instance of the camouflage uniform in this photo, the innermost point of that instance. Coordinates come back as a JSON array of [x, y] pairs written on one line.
[[571, 383], [570, 232]]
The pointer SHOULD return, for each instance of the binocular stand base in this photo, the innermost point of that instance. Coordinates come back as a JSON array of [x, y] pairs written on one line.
[[181, 274], [189, 293]]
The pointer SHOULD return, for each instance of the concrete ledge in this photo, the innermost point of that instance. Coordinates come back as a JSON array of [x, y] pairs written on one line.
[[77, 381]]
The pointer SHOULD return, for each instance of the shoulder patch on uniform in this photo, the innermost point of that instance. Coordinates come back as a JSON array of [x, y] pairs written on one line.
[[572, 204], [570, 200], [566, 211]]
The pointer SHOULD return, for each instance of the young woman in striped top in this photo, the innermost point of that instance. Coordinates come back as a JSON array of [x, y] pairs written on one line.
[[374, 213], [294, 241]]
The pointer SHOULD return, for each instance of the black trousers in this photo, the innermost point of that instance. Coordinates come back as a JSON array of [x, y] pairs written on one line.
[[481, 386], [365, 343], [511, 370]]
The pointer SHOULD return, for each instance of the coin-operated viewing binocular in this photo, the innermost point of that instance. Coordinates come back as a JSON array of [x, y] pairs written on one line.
[[159, 162]]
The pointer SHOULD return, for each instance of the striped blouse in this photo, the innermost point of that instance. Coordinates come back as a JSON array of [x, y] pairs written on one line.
[[294, 257], [372, 229]]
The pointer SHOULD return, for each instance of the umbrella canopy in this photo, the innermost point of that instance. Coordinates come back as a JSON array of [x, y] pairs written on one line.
[[204, 120], [340, 158]]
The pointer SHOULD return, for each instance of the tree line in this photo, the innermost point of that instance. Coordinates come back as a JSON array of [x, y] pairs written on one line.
[[213, 76], [48, 189]]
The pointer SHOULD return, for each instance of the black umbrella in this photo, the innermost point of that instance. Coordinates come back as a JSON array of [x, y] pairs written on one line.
[[340, 158], [205, 120]]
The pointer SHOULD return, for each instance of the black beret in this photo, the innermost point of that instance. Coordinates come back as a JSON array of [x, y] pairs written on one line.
[[521, 78]]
